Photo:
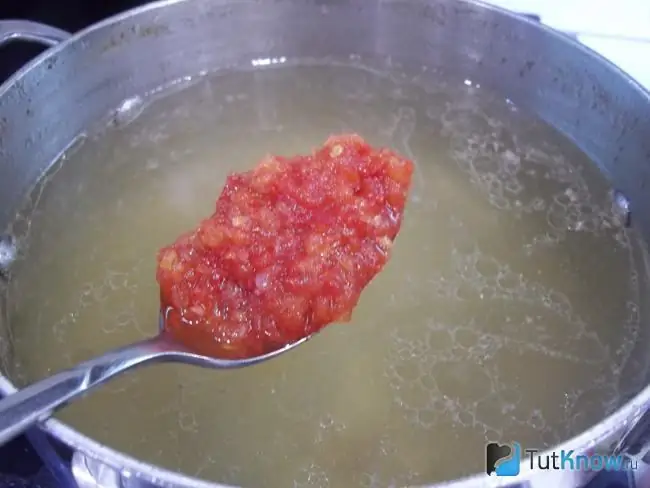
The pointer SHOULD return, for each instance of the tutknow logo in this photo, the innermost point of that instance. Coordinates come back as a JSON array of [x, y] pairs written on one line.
[[507, 459]]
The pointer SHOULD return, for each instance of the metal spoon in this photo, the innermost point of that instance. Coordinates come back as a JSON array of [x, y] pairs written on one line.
[[38, 401]]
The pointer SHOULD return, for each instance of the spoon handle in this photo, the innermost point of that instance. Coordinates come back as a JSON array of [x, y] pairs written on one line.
[[39, 400]]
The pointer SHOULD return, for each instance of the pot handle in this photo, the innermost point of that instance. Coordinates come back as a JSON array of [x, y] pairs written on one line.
[[29, 31], [91, 473]]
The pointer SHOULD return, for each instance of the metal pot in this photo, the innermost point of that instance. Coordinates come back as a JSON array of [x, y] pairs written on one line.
[[82, 77]]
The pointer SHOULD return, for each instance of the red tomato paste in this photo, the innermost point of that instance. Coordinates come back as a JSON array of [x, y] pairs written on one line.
[[289, 249]]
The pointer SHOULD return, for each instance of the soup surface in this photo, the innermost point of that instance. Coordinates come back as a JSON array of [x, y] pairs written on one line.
[[510, 309]]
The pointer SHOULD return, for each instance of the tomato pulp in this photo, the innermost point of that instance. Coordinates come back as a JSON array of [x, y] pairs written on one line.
[[289, 249]]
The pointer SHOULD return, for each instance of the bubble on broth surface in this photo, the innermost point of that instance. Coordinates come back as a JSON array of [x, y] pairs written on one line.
[[491, 322]]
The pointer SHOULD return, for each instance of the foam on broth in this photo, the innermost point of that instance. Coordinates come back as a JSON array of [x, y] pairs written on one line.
[[509, 311]]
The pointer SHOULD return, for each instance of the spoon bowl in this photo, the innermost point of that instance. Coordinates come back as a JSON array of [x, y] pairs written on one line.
[[38, 401]]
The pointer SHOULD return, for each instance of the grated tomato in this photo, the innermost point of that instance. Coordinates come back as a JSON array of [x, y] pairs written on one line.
[[289, 249]]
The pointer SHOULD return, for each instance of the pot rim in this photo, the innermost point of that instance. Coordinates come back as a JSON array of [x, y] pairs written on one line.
[[129, 466]]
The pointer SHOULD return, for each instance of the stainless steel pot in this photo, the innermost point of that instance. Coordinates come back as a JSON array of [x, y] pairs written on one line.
[[82, 77]]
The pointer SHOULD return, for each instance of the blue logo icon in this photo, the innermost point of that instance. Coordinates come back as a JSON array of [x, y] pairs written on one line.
[[502, 459]]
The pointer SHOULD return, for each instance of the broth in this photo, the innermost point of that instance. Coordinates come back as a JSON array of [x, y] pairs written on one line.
[[509, 310]]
